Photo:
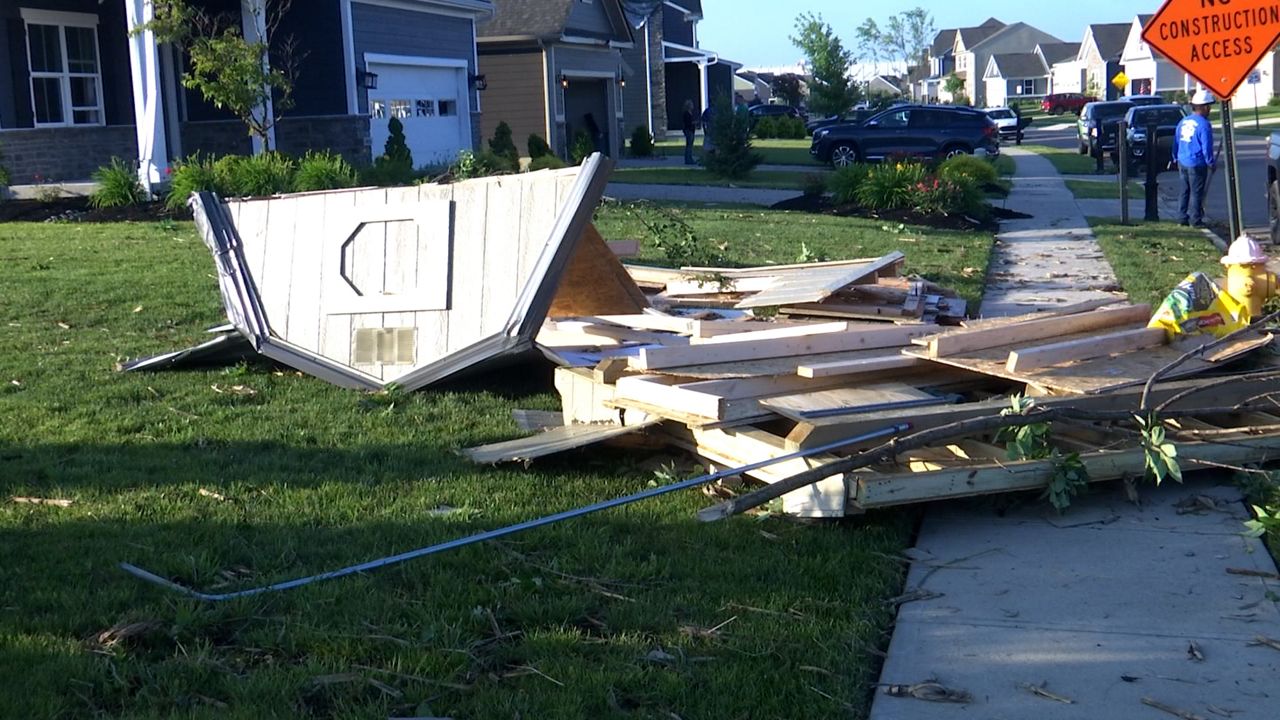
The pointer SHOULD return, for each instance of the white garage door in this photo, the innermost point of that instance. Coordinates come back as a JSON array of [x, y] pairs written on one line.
[[431, 102]]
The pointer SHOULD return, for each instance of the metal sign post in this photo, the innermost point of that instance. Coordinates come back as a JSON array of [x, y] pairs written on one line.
[[1122, 147], [1233, 179]]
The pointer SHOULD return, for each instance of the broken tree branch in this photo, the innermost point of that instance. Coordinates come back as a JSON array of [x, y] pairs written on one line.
[[1258, 325]]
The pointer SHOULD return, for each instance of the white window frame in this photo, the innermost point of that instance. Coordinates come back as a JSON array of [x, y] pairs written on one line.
[[62, 21]]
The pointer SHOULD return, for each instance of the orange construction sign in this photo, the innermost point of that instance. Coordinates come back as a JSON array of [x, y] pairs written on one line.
[[1217, 42]]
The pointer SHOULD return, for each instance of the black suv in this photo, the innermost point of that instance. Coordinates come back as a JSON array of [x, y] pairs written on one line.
[[1164, 118], [1097, 126], [921, 130]]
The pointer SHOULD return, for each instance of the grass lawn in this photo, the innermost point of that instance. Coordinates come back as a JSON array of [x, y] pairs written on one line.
[[775, 152], [1102, 189], [1068, 161], [1150, 258], [606, 616], [682, 175]]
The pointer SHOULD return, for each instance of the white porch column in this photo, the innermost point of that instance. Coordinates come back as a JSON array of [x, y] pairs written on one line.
[[148, 100], [702, 75], [253, 21]]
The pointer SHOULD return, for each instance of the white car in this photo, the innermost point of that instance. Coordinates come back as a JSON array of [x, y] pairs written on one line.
[[1006, 122]]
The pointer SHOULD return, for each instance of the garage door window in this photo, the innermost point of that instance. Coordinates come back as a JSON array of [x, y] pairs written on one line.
[[400, 108], [377, 110], [426, 108], [448, 108]]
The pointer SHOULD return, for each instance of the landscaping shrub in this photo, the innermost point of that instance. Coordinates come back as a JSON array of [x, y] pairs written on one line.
[[766, 128], [846, 181], [937, 195], [975, 169], [502, 145], [4, 174], [471, 165], [195, 174], [813, 185], [547, 162], [732, 157], [641, 142], [118, 186], [323, 171], [582, 147], [538, 147], [890, 186], [1273, 102], [791, 128], [270, 173], [395, 165]]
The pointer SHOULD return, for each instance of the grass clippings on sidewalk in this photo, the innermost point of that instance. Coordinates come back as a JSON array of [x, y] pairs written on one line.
[[1149, 259], [1070, 162], [1103, 190], [783, 180], [228, 478]]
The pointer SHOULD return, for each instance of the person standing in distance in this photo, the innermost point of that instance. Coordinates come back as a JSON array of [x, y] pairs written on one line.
[[1194, 137], [689, 123]]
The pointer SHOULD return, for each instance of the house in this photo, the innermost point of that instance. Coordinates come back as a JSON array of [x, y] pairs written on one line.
[[1055, 54], [1015, 76], [941, 59], [964, 64], [81, 89], [753, 85], [554, 68], [973, 50], [884, 86], [1099, 57], [672, 66]]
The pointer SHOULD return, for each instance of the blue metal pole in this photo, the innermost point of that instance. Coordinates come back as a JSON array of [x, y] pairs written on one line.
[[510, 529]]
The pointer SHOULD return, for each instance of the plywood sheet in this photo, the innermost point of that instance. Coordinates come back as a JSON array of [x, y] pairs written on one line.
[[816, 285], [854, 399], [594, 283]]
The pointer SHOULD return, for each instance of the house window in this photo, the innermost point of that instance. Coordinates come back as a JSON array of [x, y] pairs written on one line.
[[1026, 87], [66, 75]]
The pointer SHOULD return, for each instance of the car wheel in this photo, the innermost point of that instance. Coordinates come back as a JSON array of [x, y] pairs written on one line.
[[1058, 110], [843, 156], [953, 150], [1273, 210]]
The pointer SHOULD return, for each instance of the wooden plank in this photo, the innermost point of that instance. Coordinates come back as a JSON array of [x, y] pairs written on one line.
[[718, 399], [795, 406], [556, 440], [1233, 350], [716, 285], [1072, 309], [500, 281], [861, 365], [962, 341], [736, 448], [468, 299], [890, 490], [818, 285], [652, 277], [595, 332], [791, 365], [336, 329], [856, 338], [789, 331], [1103, 345], [582, 399], [846, 310], [774, 270]]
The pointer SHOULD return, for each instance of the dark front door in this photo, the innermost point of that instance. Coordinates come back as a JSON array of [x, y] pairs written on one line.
[[586, 113]]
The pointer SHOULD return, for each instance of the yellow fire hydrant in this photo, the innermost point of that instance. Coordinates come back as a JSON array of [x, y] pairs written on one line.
[[1248, 279]]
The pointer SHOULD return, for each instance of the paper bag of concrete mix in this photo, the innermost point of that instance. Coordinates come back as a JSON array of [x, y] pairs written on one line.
[[1197, 305]]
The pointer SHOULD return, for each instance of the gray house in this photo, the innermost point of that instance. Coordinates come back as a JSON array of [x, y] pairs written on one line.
[[80, 88], [1015, 76], [973, 58], [554, 69]]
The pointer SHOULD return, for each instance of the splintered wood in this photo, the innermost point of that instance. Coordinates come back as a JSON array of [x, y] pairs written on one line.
[[853, 349]]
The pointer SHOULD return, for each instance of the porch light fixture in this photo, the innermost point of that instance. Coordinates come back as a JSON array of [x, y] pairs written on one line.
[[622, 80], [564, 81], [479, 82], [368, 80]]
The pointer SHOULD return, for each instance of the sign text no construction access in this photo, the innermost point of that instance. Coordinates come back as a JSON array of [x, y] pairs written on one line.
[[1217, 42]]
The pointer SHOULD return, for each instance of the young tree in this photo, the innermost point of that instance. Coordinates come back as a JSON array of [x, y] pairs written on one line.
[[732, 157], [955, 87], [789, 87], [903, 39], [831, 92], [251, 78]]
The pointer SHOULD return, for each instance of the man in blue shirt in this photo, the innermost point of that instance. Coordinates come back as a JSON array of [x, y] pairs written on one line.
[[1194, 138]]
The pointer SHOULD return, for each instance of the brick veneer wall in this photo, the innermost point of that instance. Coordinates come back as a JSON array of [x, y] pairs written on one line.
[[64, 154], [347, 135]]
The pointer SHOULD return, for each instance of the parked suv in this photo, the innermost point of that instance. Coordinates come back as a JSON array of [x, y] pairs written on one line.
[[1060, 103], [921, 130], [1097, 126]]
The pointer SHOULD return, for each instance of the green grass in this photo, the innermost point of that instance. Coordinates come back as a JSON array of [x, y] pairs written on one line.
[[752, 237], [1102, 189], [775, 152], [698, 176], [597, 617], [1150, 259], [1068, 162]]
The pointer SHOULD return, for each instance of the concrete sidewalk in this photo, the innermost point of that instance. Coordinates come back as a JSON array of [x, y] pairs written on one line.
[[1098, 606]]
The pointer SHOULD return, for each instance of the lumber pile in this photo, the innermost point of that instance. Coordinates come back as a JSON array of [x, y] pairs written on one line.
[[735, 389], [869, 289]]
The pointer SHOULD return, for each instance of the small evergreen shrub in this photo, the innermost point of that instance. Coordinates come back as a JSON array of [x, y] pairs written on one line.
[[396, 149], [1273, 102], [732, 157], [270, 173], [790, 128], [641, 142], [846, 181], [118, 186], [538, 147], [323, 171], [890, 186], [582, 147], [546, 162], [766, 128], [394, 166], [975, 169], [502, 145], [195, 174]]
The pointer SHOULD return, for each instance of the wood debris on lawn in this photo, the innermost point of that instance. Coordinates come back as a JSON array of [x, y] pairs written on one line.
[[56, 502]]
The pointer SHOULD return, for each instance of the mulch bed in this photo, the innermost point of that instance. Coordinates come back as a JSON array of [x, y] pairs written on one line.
[[77, 209], [823, 205]]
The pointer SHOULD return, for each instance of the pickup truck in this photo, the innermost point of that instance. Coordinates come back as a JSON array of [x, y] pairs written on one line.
[[1273, 186]]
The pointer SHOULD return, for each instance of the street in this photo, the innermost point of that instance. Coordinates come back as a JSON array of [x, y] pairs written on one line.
[[1251, 160]]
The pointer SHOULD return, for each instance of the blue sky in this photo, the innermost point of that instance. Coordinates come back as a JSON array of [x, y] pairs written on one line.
[[755, 32]]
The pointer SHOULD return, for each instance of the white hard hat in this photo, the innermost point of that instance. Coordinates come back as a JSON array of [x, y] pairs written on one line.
[[1244, 251], [1203, 97]]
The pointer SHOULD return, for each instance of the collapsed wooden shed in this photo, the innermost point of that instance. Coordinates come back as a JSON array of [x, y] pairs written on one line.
[[410, 285]]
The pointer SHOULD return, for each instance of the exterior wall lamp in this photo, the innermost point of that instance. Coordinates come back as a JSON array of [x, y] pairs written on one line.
[[368, 80], [564, 81], [479, 82]]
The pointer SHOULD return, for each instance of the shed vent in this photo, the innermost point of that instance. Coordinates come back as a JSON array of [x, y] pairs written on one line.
[[392, 346]]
